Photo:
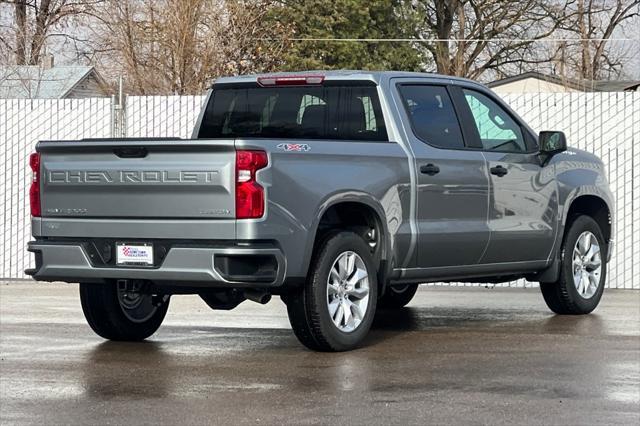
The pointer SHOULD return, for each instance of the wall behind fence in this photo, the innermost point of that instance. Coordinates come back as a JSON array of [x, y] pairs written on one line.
[[607, 124]]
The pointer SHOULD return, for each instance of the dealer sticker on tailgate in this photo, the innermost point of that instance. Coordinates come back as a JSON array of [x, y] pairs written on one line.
[[134, 254]]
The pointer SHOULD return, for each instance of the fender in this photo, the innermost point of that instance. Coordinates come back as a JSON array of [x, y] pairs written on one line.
[[551, 273], [581, 191], [580, 173], [356, 197]]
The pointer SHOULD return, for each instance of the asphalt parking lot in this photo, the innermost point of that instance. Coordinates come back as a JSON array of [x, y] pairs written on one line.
[[455, 356]]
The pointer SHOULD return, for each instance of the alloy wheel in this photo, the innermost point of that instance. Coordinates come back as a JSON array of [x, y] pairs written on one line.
[[348, 291], [587, 265]]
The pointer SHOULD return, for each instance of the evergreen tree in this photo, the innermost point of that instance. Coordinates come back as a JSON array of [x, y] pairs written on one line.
[[347, 19]]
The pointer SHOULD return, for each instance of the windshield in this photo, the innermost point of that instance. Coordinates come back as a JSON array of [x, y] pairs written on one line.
[[303, 112]]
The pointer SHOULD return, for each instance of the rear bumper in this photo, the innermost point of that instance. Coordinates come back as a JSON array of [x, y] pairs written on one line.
[[255, 265]]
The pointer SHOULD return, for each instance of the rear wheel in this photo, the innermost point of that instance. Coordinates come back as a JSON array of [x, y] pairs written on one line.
[[583, 270], [334, 310], [122, 312], [396, 297]]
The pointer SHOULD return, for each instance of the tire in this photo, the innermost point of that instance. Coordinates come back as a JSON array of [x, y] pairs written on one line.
[[397, 297], [564, 296], [308, 307], [109, 318]]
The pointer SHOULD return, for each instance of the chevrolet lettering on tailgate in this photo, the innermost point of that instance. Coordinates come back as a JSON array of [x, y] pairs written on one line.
[[131, 176]]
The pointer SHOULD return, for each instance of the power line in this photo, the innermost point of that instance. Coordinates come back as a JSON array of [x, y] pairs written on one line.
[[430, 40]]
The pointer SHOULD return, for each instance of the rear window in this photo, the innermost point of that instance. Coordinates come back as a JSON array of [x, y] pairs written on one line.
[[303, 112]]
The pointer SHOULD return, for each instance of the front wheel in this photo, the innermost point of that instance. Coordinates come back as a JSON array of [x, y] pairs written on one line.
[[334, 310], [583, 270], [122, 312]]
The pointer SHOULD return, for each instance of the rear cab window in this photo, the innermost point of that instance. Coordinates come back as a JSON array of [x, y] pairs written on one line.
[[333, 112]]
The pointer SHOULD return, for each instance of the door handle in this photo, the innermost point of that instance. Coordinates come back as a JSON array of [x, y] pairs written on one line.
[[430, 169], [499, 171], [131, 152]]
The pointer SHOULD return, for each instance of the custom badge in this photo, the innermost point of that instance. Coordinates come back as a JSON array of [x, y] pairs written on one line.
[[297, 147]]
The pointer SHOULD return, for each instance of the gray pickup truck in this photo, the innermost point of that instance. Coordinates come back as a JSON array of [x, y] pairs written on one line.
[[339, 192]]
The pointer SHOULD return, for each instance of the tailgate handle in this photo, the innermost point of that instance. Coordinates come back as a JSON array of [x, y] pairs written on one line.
[[131, 152]]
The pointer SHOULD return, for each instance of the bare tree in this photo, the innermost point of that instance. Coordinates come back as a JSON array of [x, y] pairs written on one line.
[[593, 23], [474, 37], [180, 46], [33, 23], [21, 33], [246, 41]]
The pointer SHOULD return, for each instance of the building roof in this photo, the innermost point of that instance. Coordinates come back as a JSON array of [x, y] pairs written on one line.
[[33, 81], [617, 85], [577, 84]]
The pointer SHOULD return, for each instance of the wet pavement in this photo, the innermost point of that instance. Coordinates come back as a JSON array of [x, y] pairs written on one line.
[[455, 356]]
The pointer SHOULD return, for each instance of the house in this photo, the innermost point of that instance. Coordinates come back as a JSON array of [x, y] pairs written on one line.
[[59, 82], [538, 82]]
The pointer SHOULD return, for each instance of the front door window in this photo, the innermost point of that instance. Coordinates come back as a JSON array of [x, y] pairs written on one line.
[[497, 130]]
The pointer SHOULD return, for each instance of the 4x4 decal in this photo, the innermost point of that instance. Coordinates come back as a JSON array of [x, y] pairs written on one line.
[[299, 147]]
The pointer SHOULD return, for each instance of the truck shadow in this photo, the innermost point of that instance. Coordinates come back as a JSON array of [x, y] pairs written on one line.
[[415, 319], [390, 323]]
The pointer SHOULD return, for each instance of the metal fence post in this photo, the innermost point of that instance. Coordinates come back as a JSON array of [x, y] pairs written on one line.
[[114, 119]]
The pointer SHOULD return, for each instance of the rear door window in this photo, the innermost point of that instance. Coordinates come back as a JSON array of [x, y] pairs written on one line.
[[432, 115], [303, 112]]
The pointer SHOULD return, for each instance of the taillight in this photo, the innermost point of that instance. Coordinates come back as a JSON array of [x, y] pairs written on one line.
[[34, 190], [249, 194]]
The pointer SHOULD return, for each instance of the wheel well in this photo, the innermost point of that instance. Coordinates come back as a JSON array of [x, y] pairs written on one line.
[[596, 208], [359, 218]]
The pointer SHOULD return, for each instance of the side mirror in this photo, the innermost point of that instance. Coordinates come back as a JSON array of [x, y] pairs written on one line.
[[552, 143]]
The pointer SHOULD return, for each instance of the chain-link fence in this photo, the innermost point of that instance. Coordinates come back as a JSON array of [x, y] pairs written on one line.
[[607, 124], [160, 116], [23, 122]]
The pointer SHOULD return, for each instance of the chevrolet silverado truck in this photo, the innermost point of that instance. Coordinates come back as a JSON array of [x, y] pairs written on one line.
[[340, 192]]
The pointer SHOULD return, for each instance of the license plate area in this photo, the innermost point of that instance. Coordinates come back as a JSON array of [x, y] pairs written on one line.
[[134, 254]]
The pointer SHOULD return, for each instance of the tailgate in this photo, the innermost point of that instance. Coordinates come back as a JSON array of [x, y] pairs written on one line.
[[138, 179]]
